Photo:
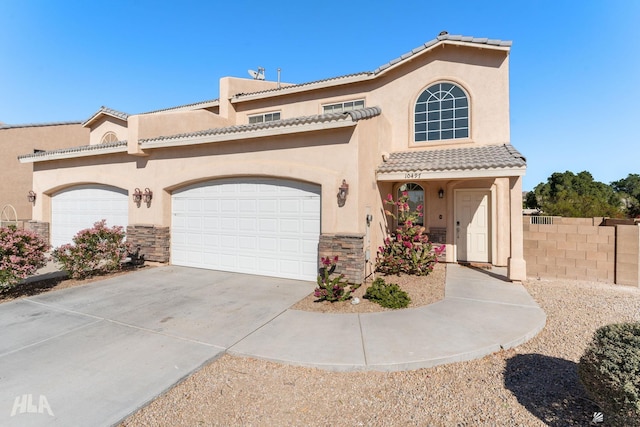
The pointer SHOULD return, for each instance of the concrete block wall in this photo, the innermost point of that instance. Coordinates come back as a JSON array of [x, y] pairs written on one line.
[[628, 255], [573, 248], [350, 251], [154, 241], [583, 249]]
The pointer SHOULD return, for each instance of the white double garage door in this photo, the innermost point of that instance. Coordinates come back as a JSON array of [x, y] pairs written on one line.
[[268, 227]]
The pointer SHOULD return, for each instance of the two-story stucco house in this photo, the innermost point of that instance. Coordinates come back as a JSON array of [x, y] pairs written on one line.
[[270, 177]]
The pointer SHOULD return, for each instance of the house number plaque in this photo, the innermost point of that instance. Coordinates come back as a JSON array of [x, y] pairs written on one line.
[[412, 175]]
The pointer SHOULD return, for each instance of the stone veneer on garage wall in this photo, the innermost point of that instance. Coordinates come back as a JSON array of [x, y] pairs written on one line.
[[38, 227], [350, 251], [154, 241]]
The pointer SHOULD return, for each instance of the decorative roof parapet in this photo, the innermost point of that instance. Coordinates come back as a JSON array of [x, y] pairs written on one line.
[[63, 153]]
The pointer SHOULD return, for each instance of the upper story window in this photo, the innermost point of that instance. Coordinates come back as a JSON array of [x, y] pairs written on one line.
[[442, 112], [109, 137], [265, 117], [341, 107]]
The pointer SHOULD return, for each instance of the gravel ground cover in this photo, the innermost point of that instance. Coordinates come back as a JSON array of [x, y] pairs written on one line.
[[533, 384]]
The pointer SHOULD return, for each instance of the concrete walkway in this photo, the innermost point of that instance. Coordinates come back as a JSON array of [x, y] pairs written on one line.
[[92, 355]]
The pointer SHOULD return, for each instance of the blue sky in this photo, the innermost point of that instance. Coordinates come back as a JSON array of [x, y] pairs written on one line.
[[575, 65]]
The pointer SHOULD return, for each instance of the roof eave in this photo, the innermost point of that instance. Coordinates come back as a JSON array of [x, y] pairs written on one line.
[[45, 157], [96, 116], [236, 99], [451, 174], [247, 134]]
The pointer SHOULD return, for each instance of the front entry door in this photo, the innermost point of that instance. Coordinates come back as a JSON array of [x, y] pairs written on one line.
[[472, 226]]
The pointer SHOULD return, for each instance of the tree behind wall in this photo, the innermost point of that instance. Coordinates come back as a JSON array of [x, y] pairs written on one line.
[[578, 196], [629, 190]]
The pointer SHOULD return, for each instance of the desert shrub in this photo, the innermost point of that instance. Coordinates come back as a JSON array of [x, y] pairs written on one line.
[[407, 250], [96, 250], [388, 295], [331, 288], [609, 369], [22, 252]]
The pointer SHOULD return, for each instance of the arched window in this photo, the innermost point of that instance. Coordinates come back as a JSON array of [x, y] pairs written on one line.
[[442, 112], [416, 198], [109, 137]]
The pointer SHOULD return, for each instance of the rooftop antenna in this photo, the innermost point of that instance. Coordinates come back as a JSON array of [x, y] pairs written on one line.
[[257, 75]]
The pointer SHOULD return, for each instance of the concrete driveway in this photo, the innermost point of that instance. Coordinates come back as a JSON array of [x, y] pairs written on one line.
[[91, 355]]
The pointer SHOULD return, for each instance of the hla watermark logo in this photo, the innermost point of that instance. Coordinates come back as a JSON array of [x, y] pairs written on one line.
[[26, 404]]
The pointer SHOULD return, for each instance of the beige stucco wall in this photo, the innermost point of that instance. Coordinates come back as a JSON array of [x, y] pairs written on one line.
[[106, 124], [15, 177], [173, 123]]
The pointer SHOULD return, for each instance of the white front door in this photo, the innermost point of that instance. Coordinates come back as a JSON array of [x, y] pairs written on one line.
[[472, 226], [269, 227]]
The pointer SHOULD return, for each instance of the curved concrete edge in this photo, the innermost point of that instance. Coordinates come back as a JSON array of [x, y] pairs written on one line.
[[480, 315]]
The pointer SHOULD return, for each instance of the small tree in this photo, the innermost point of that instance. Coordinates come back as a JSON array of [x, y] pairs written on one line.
[[22, 252], [408, 250], [96, 250]]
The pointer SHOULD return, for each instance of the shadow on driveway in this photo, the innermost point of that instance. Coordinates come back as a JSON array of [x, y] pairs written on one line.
[[550, 389]]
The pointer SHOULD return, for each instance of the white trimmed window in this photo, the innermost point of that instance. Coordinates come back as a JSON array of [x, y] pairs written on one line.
[[341, 107], [265, 117], [109, 137], [442, 112]]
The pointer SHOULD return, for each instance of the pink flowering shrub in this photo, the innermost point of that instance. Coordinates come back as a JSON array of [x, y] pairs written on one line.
[[22, 252], [95, 250], [408, 250], [331, 289]]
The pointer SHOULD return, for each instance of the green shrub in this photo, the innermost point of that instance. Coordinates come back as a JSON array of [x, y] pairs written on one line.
[[96, 250], [388, 295], [22, 252], [609, 370]]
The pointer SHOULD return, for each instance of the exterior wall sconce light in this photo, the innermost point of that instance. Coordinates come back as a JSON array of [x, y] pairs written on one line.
[[342, 193], [441, 193], [137, 197], [147, 196], [31, 196]]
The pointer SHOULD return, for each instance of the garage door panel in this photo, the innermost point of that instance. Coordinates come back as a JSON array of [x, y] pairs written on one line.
[[79, 207], [262, 226]]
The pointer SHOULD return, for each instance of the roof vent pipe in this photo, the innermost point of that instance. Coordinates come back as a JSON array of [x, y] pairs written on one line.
[[278, 78]]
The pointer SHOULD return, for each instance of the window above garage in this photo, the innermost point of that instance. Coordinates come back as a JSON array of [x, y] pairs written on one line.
[[264, 117], [342, 107]]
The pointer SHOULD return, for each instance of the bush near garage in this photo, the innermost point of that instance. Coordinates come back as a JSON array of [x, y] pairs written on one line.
[[387, 295], [22, 252], [96, 250], [609, 370]]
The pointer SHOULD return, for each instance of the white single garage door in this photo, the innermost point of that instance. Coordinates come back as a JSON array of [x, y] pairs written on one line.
[[268, 227], [79, 207]]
